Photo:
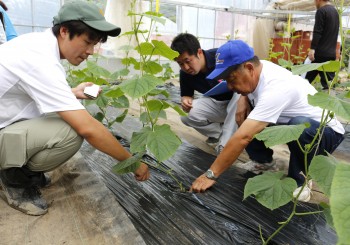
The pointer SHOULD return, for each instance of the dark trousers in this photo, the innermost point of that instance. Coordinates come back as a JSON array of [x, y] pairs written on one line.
[[258, 152], [329, 142], [311, 75]]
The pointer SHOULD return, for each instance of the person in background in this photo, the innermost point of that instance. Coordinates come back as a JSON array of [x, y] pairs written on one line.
[[6, 22], [214, 116], [324, 40], [279, 97], [42, 122]]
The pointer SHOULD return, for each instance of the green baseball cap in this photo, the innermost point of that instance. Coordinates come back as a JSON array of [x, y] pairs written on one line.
[[88, 13]]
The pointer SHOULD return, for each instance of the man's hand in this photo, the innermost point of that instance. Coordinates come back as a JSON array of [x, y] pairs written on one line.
[[186, 103], [142, 173], [201, 184], [311, 54], [243, 110], [78, 91]]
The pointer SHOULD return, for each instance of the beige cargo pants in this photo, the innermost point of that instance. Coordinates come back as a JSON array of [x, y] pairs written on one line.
[[42, 144]]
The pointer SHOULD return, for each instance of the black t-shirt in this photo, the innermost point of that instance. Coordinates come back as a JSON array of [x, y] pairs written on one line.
[[325, 34], [199, 82]]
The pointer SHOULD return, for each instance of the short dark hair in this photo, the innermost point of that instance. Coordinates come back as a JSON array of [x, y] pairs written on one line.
[[3, 5], [185, 42], [77, 28]]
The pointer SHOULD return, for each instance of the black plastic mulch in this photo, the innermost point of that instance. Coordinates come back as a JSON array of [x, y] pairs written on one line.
[[163, 215]]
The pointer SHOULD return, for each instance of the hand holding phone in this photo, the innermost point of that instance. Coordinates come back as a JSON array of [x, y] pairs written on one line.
[[92, 91]]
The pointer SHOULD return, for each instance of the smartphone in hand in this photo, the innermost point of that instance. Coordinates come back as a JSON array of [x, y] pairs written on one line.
[[92, 91]]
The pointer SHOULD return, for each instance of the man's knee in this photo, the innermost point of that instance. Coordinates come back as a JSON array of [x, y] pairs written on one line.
[[68, 144]]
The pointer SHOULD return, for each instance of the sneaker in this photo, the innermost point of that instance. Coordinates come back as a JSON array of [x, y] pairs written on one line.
[[305, 194], [256, 167], [212, 141], [27, 200], [42, 180], [265, 166]]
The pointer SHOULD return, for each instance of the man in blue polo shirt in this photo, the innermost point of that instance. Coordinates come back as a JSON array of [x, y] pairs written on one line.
[[208, 115]]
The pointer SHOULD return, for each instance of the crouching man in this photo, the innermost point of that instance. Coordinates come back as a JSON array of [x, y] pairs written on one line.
[[42, 122]]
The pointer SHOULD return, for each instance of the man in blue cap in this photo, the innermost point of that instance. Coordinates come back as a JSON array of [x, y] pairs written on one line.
[[278, 97], [42, 122]]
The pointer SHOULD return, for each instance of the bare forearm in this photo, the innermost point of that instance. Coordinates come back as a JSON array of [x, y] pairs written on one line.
[[229, 154], [104, 141]]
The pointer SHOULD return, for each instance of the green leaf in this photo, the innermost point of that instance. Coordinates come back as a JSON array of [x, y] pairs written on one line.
[[322, 170], [122, 116], [97, 70], [287, 45], [114, 93], [157, 105], [164, 50], [339, 106], [159, 91], [140, 86], [176, 108], [301, 69], [99, 116], [129, 165], [285, 63], [144, 118], [327, 214], [157, 17], [163, 142], [282, 134], [121, 73], [331, 66], [340, 202], [130, 60], [347, 95], [152, 67], [145, 48], [271, 189], [101, 101], [120, 102], [139, 140]]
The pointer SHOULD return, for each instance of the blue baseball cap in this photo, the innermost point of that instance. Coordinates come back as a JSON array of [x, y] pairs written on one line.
[[234, 52]]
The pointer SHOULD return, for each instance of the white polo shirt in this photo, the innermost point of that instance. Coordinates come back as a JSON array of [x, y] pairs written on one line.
[[32, 79], [280, 96]]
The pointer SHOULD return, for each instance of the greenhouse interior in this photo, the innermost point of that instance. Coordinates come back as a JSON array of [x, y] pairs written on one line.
[[167, 122]]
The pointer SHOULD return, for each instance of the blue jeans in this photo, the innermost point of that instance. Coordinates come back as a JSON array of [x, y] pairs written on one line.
[[329, 142], [258, 152]]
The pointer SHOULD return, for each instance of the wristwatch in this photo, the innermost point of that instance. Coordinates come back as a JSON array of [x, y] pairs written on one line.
[[210, 175]]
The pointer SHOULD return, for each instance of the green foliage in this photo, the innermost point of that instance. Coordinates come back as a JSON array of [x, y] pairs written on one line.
[[331, 103], [128, 165], [325, 66], [322, 170], [277, 135], [159, 140], [340, 202], [272, 190], [140, 86]]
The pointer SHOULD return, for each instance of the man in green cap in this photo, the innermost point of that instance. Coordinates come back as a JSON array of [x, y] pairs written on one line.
[[42, 122]]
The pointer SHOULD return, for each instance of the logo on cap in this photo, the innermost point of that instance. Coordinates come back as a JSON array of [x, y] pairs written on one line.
[[218, 61]]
